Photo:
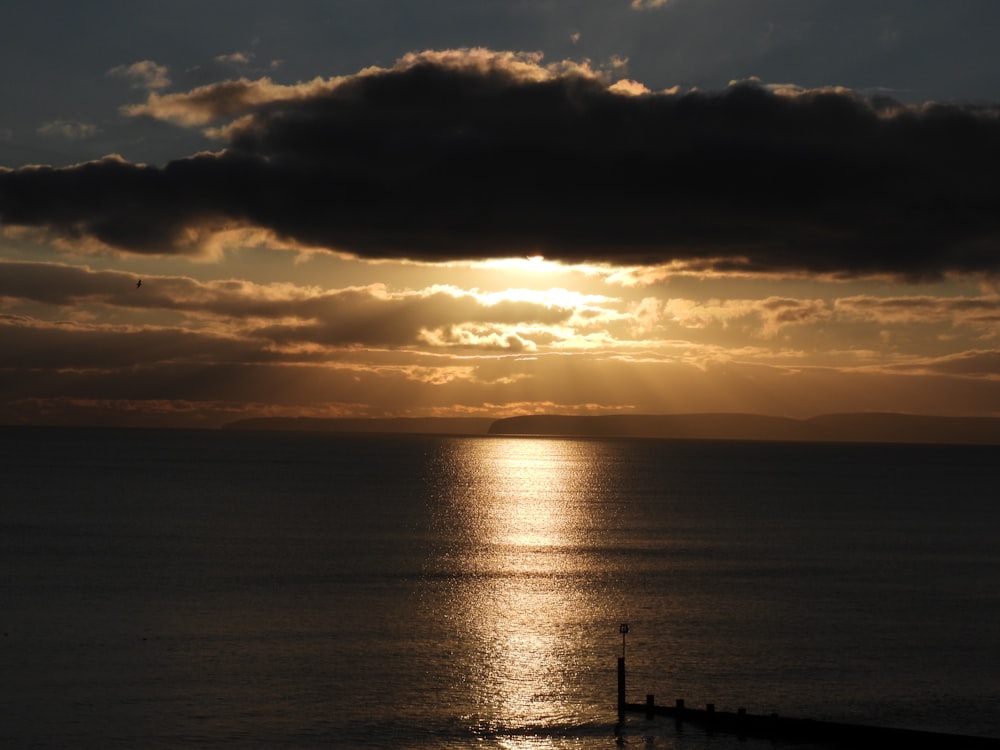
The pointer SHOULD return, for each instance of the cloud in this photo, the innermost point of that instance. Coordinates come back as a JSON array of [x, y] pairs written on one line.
[[219, 100], [979, 364], [474, 154], [85, 341], [761, 317], [145, 74], [971, 311], [70, 129], [238, 58], [648, 4], [36, 346], [287, 320]]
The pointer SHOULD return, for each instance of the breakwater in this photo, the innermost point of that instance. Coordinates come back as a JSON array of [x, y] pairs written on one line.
[[786, 729]]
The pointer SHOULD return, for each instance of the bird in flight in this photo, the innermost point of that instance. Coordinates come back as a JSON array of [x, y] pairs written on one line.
[[138, 283]]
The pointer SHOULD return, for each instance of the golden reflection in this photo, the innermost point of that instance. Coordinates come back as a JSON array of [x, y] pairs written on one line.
[[518, 598]]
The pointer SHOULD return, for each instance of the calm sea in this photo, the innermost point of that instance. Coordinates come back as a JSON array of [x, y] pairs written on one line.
[[174, 589]]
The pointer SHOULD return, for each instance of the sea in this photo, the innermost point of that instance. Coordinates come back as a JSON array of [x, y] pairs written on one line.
[[236, 589]]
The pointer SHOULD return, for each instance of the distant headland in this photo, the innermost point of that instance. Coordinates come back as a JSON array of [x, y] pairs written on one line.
[[864, 427], [418, 425]]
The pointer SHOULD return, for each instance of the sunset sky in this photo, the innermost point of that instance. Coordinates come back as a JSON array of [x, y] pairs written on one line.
[[497, 207]]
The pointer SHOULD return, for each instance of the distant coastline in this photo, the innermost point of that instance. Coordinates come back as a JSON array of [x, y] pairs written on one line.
[[866, 427], [417, 425]]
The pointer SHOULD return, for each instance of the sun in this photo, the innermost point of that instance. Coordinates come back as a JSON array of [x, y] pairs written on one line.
[[532, 264]]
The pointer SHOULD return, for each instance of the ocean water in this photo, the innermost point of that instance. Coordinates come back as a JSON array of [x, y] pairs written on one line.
[[176, 589]]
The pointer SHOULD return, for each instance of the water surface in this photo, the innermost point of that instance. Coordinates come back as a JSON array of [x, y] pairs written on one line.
[[191, 589]]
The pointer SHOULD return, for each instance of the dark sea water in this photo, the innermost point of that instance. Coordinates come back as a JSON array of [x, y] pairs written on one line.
[[173, 589]]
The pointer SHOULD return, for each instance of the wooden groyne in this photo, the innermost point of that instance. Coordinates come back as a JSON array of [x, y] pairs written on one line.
[[782, 728], [785, 729]]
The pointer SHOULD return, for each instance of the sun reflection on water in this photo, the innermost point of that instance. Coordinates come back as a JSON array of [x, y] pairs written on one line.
[[518, 583]]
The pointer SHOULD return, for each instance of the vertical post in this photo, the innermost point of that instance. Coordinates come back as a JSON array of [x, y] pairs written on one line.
[[621, 688], [623, 629], [650, 702]]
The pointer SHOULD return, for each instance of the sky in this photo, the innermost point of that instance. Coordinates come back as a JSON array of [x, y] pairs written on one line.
[[488, 208]]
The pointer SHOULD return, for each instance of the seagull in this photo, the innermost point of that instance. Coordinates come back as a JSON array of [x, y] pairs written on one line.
[[138, 283]]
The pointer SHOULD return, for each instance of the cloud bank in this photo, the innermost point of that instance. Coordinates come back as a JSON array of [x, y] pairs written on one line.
[[473, 154]]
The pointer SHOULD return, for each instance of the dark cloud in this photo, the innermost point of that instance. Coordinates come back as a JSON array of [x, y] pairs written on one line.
[[454, 156], [45, 350]]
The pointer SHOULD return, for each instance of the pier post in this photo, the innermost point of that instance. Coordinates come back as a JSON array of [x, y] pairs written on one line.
[[623, 629], [650, 702], [621, 688]]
